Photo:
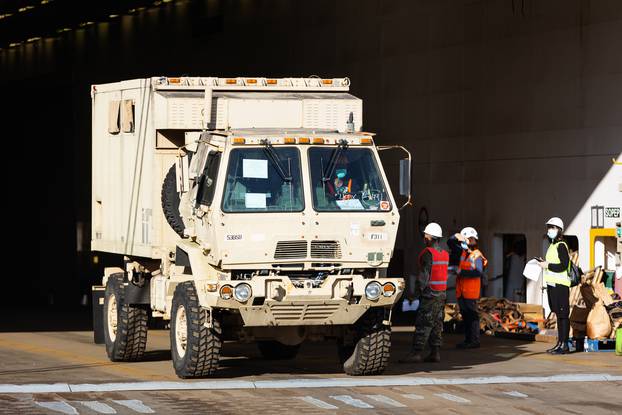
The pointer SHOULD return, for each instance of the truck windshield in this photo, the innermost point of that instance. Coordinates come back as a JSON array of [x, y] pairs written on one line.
[[354, 185], [254, 183]]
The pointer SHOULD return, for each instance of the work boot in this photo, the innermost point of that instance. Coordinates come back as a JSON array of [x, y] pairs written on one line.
[[559, 343], [416, 356], [562, 349], [469, 345], [434, 356]]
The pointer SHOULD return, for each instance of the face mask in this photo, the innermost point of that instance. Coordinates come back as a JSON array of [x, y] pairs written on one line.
[[464, 245], [551, 233], [341, 173]]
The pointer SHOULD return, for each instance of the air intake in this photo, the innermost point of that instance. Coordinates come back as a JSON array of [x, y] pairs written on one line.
[[325, 249], [290, 250]]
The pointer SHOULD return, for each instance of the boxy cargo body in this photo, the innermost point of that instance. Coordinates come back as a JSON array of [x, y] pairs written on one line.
[[246, 208]]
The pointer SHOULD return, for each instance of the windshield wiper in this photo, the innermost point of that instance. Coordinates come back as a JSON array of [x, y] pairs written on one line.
[[269, 150], [328, 173]]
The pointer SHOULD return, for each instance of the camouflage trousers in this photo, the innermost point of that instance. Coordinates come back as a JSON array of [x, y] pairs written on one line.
[[429, 322]]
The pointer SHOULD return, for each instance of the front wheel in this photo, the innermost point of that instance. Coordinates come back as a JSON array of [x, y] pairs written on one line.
[[195, 348], [125, 326], [369, 354]]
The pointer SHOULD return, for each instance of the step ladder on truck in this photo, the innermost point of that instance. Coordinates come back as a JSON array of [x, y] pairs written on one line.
[[249, 209]]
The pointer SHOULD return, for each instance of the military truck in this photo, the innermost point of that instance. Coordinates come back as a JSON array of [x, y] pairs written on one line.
[[242, 209]]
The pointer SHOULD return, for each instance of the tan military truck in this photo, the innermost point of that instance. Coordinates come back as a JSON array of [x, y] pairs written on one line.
[[249, 209]]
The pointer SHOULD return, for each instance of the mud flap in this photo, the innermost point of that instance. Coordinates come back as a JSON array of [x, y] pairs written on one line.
[[98, 293]]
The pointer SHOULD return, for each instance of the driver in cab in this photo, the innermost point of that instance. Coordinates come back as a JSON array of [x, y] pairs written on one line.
[[340, 187]]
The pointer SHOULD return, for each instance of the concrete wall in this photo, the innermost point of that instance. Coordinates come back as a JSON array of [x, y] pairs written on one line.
[[513, 109]]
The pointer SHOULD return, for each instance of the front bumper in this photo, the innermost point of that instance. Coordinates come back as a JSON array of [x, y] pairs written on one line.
[[275, 301]]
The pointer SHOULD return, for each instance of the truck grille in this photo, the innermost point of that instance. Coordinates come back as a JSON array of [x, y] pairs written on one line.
[[325, 249], [290, 250], [303, 312]]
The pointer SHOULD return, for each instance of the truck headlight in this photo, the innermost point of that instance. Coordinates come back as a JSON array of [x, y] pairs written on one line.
[[242, 292], [388, 289], [373, 290]]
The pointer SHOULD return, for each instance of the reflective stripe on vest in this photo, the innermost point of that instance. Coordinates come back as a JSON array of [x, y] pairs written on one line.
[[438, 273], [469, 288], [552, 257]]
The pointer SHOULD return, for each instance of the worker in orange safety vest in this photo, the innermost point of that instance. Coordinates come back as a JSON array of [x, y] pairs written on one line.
[[468, 285], [430, 289]]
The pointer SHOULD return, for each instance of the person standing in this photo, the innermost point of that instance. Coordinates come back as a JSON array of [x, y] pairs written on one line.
[[515, 283], [555, 268], [468, 285], [430, 288]]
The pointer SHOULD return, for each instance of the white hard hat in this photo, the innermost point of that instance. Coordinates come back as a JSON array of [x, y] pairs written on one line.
[[557, 222], [434, 229], [469, 232]]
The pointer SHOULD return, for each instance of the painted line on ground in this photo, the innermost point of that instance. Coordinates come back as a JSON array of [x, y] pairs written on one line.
[[453, 398], [98, 407], [516, 394], [348, 400], [58, 406], [412, 396], [135, 405], [318, 402], [386, 400], [302, 383]]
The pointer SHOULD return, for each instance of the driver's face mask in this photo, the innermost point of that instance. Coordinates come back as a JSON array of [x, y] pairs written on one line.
[[341, 173]]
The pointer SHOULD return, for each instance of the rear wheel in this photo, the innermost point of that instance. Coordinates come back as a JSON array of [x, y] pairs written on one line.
[[369, 354], [275, 350], [195, 348], [125, 326]]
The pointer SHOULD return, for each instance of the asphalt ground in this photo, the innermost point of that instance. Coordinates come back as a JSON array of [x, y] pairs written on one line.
[[65, 372]]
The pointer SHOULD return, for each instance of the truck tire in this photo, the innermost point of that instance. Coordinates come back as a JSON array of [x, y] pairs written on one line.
[[370, 355], [195, 349], [275, 350], [170, 202], [125, 326]]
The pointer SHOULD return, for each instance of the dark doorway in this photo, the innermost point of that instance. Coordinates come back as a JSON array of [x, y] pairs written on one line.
[[506, 265]]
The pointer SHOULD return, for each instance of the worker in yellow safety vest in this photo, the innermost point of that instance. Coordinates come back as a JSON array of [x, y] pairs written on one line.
[[555, 271]]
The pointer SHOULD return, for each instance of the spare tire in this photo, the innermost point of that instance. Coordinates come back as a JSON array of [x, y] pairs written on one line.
[[170, 202]]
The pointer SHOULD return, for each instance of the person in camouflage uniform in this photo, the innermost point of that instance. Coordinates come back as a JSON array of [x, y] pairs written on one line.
[[430, 288]]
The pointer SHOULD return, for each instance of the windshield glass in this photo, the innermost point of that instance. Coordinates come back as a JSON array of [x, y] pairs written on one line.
[[257, 182], [355, 184]]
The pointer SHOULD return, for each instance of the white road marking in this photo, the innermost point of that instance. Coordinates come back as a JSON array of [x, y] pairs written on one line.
[[98, 407], [58, 406], [452, 398], [516, 394], [386, 400], [412, 396], [135, 405], [35, 388], [348, 400], [317, 402], [154, 386], [342, 382]]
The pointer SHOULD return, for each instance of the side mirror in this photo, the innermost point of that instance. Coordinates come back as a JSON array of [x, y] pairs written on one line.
[[405, 169], [405, 177], [181, 173]]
